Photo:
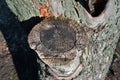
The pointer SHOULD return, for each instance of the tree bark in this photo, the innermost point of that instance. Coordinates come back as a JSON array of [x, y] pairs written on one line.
[[102, 34]]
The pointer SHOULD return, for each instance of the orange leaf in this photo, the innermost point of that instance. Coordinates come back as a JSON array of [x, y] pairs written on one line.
[[43, 9]]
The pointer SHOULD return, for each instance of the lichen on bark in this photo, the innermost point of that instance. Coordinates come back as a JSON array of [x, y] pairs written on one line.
[[102, 40]]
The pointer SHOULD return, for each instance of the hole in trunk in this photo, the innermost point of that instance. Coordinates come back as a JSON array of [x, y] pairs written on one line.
[[94, 7]]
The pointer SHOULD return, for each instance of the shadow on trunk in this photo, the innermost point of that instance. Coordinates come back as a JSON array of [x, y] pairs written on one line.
[[15, 34]]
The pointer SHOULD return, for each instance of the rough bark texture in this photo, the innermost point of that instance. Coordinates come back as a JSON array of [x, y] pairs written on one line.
[[97, 57]]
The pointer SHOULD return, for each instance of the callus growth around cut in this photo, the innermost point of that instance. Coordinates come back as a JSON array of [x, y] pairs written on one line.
[[56, 42]]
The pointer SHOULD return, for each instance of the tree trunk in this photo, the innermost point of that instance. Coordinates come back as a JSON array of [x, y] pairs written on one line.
[[102, 29]]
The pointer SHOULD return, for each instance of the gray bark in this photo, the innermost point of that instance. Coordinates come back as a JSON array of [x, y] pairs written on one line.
[[98, 55]]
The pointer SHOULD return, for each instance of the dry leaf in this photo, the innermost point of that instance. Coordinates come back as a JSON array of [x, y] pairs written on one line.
[[44, 10]]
